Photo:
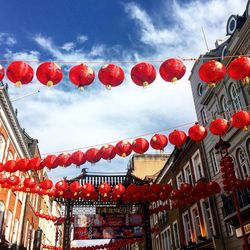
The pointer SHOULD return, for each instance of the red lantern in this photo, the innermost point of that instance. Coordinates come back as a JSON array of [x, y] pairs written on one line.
[[241, 120], [93, 155], [177, 138], [111, 75], [104, 189], [212, 72], [78, 158], [123, 148], [94, 196], [75, 187], [3, 178], [1, 72], [140, 145], [61, 186], [63, 160], [13, 180], [159, 141], [22, 165], [197, 132], [50, 161], [10, 166], [239, 69], [81, 75], [156, 188], [167, 188], [34, 163], [49, 73], [20, 73], [172, 70], [132, 188], [186, 188], [118, 189], [163, 196], [143, 74], [219, 126], [88, 189], [214, 187], [107, 152], [1, 167], [46, 184], [29, 183]]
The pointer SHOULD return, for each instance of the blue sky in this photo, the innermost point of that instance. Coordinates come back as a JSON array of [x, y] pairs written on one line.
[[62, 118]]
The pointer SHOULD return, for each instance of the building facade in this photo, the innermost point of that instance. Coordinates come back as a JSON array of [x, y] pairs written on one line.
[[228, 97], [193, 226]]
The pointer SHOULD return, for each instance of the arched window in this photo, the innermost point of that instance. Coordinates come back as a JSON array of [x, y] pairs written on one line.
[[235, 96], [10, 156], [8, 225], [15, 231], [243, 164], [2, 147], [1, 216], [225, 107]]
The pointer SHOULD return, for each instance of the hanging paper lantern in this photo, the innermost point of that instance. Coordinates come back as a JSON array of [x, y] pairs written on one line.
[[13, 180], [123, 148], [212, 72], [172, 70], [111, 75], [10, 166], [61, 186], [186, 188], [20, 73], [1, 167], [214, 187], [34, 163], [167, 188], [22, 165], [81, 75], [132, 188], [140, 145], [240, 120], [29, 183], [155, 188], [119, 189], [104, 189], [63, 160], [46, 184], [107, 152], [75, 187], [88, 189], [197, 132], [50, 161], [49, 73], [219, 126], [78, 158], [93, 155], [239, 69], [177, 138], [3, 178], [159, 142], [162, 196], [143, 74], [1, 72]]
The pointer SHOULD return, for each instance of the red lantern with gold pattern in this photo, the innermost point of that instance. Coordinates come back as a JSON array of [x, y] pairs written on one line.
[[29, 183], [212, 72], [197, 132], [13, 180], [167, 188], [240, 119], [50, 161], [10, 166], [93, 155], [219, 126], [155, 188], [140, 145], [123, 148], [46, 184], [118, 189], [3, 178], [1, 72], [61, 186], [49, 73], [239, 69], [75, 187], [177, 138], [34, 163], [23, 165], [78, 158], [20, 73], [143, 74], [159, 142], [104, 189], [63, 160], [111, 75], [88, 189], [172, 70], [81, 75], [108, 152], [214, 187]]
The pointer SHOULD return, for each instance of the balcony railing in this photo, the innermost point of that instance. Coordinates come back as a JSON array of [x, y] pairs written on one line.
[[243, 199]]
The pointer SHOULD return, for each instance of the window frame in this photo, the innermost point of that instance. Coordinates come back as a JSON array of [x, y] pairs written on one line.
[[197, 153], [214, 162], [204, 117], [188, 166], [187, 239], [177, 245], [178, 184], [195, 207], [235, 96]]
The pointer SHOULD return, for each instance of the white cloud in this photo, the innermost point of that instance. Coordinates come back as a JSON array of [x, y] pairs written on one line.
[[8, 39], [82, 38], [63, 118], [68, 46]]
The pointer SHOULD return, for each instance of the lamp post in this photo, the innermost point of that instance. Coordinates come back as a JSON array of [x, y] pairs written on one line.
[[222, 148]]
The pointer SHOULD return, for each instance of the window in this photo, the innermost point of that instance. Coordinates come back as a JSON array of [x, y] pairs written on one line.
[[200, 89], [8, 225], [2, 147], [26, 239], [198, 171], [214, 162], [188, 174], [164, 239], [235, 96], [1, 216], [230, 229], [204, 117], [225, 108], [242, 160], [196, 221], [15, 231], [187, 227], [179, 179], [169, 238], [158, 243], [177, 243], [10, 156], [208, 219]]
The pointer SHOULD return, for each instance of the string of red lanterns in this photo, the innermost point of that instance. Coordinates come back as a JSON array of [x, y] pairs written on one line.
[[48, 217], [51, 247], [111, 75], [123, 148]]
